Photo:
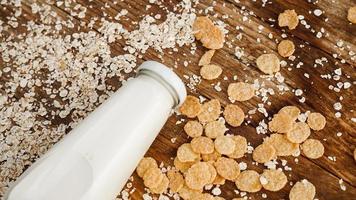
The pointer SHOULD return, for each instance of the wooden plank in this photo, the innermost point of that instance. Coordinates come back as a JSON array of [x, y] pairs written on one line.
[[322, 172]]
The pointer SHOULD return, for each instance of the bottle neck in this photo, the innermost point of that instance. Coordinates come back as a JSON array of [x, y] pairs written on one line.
[[163, 82]]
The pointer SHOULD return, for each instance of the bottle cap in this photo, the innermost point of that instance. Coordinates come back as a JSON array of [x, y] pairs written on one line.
[[168, 76]]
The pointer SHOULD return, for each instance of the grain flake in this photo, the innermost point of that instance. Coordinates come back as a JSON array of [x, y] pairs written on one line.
[[286, 48], [302, 190], [191, 107], [225, 145], [268, 63], [312, 148], [210, 71], [316, 121], [288, 18], [215, 129], [264, 153], [193, 129], [206, 58], [227, 168], [276, 179], [234, 115], [240, 91], [202, 145], [248, 181]]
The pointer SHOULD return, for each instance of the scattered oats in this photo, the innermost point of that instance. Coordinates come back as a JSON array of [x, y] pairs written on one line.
[[243, 166], [317, 12]]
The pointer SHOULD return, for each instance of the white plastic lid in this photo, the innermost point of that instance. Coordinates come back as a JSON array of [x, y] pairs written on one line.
[[169, 76]]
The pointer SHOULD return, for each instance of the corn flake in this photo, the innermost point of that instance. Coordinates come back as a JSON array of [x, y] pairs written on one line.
[[202, 145], [206, 58], [176, 180], [182, 166], [198, 176], [161, 187], [234, 115], [225, 145], [276, 179], [211, 156], [351, 14], [193, 129], [210, 111], [212, 172], [268, 63], [292, 111], [145, 164], [282, 145], [210, 35], [286, 48], [264, 153], [210, 71], [299, 133], [240, 91], [203, 196], [227, 168], [312, 148], [187, 193], [191, 107], [288, 18], [185, 153], [248, 181], [302, 190], [219, 180], [281, 123], [316, 121], [215, 129], [152, 177], [240, 146]]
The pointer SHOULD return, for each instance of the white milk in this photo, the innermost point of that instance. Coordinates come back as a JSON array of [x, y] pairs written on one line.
[[94, 161]]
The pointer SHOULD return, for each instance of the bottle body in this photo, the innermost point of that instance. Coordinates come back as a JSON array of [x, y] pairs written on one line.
[[96, 158]]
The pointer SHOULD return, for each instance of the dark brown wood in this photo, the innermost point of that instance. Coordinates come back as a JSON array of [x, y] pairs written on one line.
[[323, 173]]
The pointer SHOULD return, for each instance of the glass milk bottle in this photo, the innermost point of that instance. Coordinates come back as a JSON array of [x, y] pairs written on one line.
[[94, 161]]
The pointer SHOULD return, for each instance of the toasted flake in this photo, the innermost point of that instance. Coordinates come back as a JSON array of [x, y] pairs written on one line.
[[152, 177], [202, 145], [211, 156], [292, 111], [286, 48], [282, 145], [210, 111], [193, 129], [210, 35], [219, 180], [198, 176], [264, 153], [351, 14], [268, 63], [145, 164], [182, 166], [299, 133], [316, 121], [288, 18], [281, 123], [248, 181], [215, 129], [240, 146], [234, 115], [276, 179], [227, 168], [191, 107], [185, 153], [203, 196], [225, 145], [176, 180], [212, 171], [210, 71], [187, 193], [240, 91], [302, 190], [312, 148], [206, 58], [161, 187]]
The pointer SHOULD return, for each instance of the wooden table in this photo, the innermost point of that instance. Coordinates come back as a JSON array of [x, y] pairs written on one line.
[[323, 173]]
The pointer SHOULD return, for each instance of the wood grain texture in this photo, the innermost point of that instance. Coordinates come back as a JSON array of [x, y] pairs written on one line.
[[323, 172]]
